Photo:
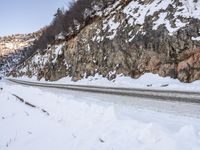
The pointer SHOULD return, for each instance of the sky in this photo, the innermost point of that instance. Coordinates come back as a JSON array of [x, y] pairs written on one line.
[[26, 16]]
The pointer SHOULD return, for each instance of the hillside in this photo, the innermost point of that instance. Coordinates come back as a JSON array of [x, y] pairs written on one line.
[[10, 44], [128, 37], [103, 75], [14, 48]]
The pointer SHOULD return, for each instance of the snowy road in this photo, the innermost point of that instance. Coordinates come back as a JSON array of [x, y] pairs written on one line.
[[167, 95], [81, 120]]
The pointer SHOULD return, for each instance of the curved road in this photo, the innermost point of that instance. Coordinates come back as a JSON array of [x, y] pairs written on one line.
[[167, 95]]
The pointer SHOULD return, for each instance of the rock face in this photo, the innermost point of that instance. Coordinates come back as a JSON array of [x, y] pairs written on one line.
[[130, 38], [13, 48], [10, 44]]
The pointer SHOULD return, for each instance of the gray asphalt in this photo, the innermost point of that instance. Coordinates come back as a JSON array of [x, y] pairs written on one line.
[[166, 95]]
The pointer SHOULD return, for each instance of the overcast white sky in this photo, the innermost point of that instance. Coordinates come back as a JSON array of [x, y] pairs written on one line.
[[25, 16]]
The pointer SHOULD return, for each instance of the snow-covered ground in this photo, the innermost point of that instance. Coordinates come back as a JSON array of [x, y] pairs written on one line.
[[146, 81], [84, 121]]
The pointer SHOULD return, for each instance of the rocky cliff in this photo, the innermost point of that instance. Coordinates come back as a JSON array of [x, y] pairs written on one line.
[[130, 37], [10, 44], [13, 49]]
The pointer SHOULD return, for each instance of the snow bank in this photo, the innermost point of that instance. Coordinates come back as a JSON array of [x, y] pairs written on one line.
[[146, 81], [83, 122]]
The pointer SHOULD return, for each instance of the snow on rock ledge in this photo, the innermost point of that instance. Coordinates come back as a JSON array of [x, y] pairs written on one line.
[[158, 36]]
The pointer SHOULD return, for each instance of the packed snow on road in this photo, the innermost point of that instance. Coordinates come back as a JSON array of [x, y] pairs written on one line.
[[39, 118]]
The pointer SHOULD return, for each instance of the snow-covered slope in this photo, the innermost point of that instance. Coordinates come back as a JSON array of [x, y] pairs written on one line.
[[171, 20], [79, 121]]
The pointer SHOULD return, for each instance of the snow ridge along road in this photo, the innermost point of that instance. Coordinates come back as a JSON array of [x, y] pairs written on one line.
[[182, 96]]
